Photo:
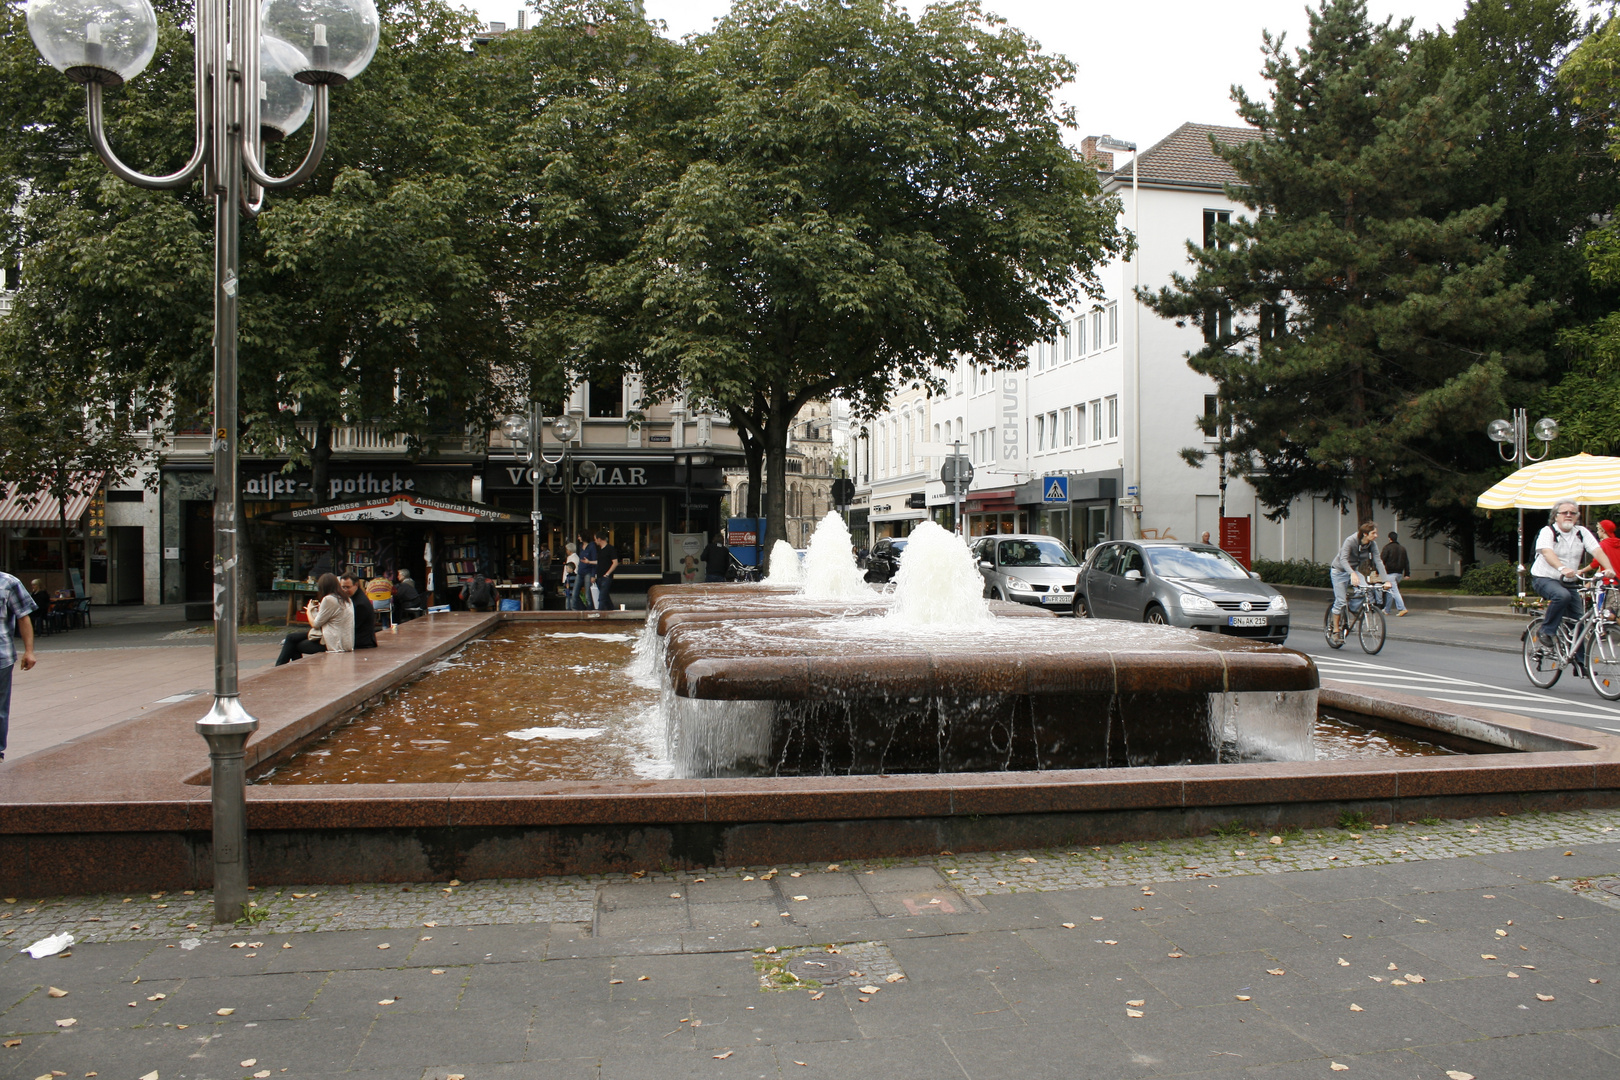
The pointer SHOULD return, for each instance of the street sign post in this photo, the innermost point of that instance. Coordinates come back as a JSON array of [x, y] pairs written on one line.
[[1055, 489], [957, 476]]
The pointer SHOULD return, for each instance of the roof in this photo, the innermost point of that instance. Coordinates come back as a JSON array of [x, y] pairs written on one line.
[[40, 511], [1184, 158]]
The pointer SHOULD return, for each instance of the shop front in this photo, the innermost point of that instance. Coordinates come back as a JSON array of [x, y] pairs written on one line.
[[653, 507], [34, 545], [1087, 516], [991, 512]]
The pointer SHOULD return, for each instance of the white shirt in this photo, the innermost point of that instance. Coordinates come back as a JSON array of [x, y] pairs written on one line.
[[1567, 545]]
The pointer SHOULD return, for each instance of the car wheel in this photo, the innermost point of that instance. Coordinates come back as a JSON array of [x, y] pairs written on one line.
[[1082, 610], [995, 594], [1156, 615]]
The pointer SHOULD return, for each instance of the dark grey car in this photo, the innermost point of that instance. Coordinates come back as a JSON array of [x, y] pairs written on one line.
[[1193, 585]]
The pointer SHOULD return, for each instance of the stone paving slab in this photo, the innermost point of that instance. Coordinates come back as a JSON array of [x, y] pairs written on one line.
[[1422, 948]]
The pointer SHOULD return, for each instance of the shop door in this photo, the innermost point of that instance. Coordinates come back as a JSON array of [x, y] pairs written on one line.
[[199, 553], [1096, 528], [128, 583]]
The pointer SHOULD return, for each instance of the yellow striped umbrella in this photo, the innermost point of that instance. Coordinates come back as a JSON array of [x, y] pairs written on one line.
[[1586, 478]]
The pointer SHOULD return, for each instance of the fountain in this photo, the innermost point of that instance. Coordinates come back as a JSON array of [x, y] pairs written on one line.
[[932, 682], [785, 568]]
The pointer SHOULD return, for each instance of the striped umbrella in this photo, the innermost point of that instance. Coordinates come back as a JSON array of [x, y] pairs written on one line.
[[1586, 478]]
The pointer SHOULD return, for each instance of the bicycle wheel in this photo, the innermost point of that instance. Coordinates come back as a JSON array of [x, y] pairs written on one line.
[[1540, 664], [1371, 630], [1334, 640], [1603, 661]]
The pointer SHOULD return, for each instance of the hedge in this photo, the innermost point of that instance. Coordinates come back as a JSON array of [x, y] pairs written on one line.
[[1293, 572]]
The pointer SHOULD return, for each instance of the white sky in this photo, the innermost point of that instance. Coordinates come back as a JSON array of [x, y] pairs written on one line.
[[1144, 67]]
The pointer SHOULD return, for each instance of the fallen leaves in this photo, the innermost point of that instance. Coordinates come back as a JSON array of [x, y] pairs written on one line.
[[1276, 971], [893, 977], [1027, 859], [1067, 925], [12, 1044], [56, 993], [722, 1057], [385, 945], [1458, 1074], [818, 995], [801, 898], [223, 1012], [1275, 840], [1356, 1008], [1135, 1014], [1336, 1067], [615, 982], [1244, 997], [1110, 941], [1545, 997], [1138, 1003], [388, 1001], [1501, 933], [249, 1063], [1487, 956], [67, 1023], [643, 978], [153, 1075]]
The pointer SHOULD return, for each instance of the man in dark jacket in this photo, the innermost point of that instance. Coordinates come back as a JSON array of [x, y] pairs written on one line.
[[408, 603], [716, 559], [365, 616], [1396, 566]]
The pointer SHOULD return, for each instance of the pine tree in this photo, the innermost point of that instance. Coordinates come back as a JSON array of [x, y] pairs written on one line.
[[1353, 318]]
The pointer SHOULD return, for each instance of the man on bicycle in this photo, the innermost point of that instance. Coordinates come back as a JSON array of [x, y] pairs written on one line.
[[1359, 547], [1561, 548]]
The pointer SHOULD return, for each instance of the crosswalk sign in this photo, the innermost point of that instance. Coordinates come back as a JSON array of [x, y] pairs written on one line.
[[1055, 489]]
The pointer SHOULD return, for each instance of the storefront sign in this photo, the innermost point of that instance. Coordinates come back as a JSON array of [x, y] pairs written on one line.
[[405, 508], [611, 474], [1010, 425], [1235, 539], [277, 486]]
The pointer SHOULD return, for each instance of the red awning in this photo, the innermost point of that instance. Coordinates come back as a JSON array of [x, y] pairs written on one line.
[[41, 512]]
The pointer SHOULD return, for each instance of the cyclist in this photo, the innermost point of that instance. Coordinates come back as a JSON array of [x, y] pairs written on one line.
[[1561, 548], [1359, 547]]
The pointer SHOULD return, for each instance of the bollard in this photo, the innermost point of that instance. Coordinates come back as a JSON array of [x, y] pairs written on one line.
[[226, 729]]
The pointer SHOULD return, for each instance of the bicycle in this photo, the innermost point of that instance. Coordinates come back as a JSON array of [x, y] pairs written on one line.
[[1363, 613], [1596, 630]]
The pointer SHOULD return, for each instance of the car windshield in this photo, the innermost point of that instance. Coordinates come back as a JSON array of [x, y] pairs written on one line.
[[1035, 553], [1180, 562]]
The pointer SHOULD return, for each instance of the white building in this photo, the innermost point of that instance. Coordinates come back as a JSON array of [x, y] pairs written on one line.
[[1104, 409]]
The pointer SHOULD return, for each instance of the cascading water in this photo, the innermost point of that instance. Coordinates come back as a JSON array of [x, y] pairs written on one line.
[[785, 568], [938, 584], [830, 572]]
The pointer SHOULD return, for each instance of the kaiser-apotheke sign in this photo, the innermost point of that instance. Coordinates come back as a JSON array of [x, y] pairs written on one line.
[[277, 486]]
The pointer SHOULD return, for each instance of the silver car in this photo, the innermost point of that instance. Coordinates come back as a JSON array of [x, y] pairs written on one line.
[[1193, 585], [1027, 569]]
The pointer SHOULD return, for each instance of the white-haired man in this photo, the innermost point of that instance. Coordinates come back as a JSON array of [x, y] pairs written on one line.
[[1561, 549]]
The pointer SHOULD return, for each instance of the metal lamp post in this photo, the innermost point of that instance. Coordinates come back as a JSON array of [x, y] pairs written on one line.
[[260, 68], [529, 431], [1512, 438]]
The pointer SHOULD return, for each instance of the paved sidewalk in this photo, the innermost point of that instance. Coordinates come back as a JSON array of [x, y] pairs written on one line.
[[1427, 950]]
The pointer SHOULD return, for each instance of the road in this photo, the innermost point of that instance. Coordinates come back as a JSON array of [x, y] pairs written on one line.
[[1471, 661]]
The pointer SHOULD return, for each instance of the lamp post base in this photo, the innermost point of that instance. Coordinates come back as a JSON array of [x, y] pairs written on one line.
[[226, 728]]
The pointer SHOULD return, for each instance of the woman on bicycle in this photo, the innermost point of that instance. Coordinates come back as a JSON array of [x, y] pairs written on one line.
[[1359, 547], [1561, 548]]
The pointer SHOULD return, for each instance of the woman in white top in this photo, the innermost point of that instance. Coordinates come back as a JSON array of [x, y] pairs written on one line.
[[331, 624], [1561, 549]]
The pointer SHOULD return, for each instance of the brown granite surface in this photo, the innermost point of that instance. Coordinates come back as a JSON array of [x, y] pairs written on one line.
[[128, 806]]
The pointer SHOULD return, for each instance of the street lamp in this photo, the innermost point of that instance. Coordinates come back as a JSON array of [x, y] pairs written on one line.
[[1514, 434], [530, 431], [259, 71], [1108, 142]]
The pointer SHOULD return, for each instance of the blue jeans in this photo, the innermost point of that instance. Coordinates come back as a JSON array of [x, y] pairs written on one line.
[[1393, 601], [1562, 602], [5, 703], [604, 585], [1341, 588], [579, 597]]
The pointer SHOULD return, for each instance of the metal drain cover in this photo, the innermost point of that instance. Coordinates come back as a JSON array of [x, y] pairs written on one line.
[[815, 967]]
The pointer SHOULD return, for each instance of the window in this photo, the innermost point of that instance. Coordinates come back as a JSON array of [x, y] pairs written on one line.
[[1080, 422], [1217, 324], [1068, 342], [1096, 331], [883, 450], [1052, 426], [1273, 321], [1113, 417], [1113, 323], [1040, 432], [1080, 336], [606, 399], [1213, 218], [1096, 421], [1068, 427]]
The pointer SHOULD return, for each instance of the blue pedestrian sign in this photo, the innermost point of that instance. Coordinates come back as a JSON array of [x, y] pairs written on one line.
[[1055, 489]]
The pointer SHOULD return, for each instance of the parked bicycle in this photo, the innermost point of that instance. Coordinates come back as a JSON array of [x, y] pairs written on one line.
[[1596, 632], [1363, 614]]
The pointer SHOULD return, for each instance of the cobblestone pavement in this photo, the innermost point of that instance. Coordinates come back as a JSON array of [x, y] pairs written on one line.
[[570, 899]]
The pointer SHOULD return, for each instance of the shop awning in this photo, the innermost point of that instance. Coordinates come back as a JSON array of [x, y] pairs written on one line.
[[40, 511], [402, 508]]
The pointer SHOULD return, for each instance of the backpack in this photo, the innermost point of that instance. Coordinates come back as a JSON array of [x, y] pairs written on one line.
[[481, 594]]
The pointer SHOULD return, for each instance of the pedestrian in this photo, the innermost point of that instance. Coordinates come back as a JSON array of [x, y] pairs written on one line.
[[607, 561], [716, 559], [331, 624], [408, 602], [570, 572], [1206, 536], [583, 598], [1396, 565], [365, 614], [1607, 540], [16, 617], [1359, 548], [479, 593], [1559, 548]]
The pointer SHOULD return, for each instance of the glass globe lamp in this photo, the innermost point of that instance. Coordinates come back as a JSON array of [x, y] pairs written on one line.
[[1500, 431], [566, 429], [100, 41], [1546, 429], [284, 102], [336, 37], [515, 428]]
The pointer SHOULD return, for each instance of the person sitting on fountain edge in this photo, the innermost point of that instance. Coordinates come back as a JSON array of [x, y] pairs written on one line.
[[365, 615], [408, 602]]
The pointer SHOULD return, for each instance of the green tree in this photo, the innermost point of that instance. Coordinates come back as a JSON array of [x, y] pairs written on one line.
[[855, 198], [1354, 320]]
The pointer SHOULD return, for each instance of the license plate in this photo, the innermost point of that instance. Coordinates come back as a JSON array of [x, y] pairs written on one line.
[[1246, 620], [1056, 598]]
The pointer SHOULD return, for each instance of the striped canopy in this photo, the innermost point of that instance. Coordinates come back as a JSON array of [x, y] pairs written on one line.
[[1586, 478]]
